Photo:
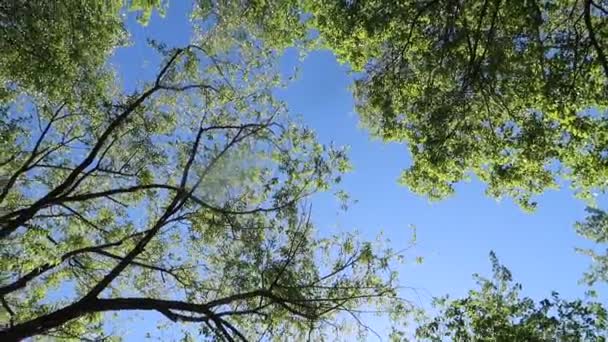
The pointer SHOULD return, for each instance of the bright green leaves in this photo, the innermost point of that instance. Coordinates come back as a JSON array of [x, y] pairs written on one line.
[[279, 24], [500, 90], [354, 31], [56, 48], [59, 49], [146, 7], [595, 228], [496, 311]]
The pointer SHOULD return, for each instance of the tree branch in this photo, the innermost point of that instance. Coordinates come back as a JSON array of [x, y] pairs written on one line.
[[596, 45], [24, 280]]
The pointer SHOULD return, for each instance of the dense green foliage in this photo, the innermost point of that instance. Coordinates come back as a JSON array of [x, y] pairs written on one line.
[[512, 91], [498, 312], [41, 54], [187, 197], [57, 48]]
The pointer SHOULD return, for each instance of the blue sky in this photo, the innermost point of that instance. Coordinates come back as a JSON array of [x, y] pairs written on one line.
[[454, 236]]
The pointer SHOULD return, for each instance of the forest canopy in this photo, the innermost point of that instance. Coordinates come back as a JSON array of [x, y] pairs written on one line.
[[192, 195]]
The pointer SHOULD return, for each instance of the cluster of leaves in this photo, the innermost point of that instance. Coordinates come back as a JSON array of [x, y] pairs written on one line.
[[595, 228], [186, 197], [501, 89], [57, 48], [144, 8], [279, 24], [50, 56], [498, 312]]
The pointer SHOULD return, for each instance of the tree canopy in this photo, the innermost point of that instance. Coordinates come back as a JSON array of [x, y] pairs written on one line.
[[191, 196], [187, 197], [498, 312], [42, 54], [514, 92], [58, 48]]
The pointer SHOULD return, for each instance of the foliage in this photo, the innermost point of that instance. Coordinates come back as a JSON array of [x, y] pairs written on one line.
[[41, 53], [595, 228], [187, 197], [514, 92], [58, 48], [144, 8], [279, 24], [498, 312]]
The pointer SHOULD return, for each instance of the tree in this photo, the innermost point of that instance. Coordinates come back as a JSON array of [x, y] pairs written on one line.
[[498, 312], [58, 47], [512, 92], [187, 197]]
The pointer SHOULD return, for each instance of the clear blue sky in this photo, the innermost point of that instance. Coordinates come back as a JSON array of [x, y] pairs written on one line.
[[454, 236]]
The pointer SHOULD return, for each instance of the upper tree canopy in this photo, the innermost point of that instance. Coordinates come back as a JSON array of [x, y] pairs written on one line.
[[57, 48], [502, 89]]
